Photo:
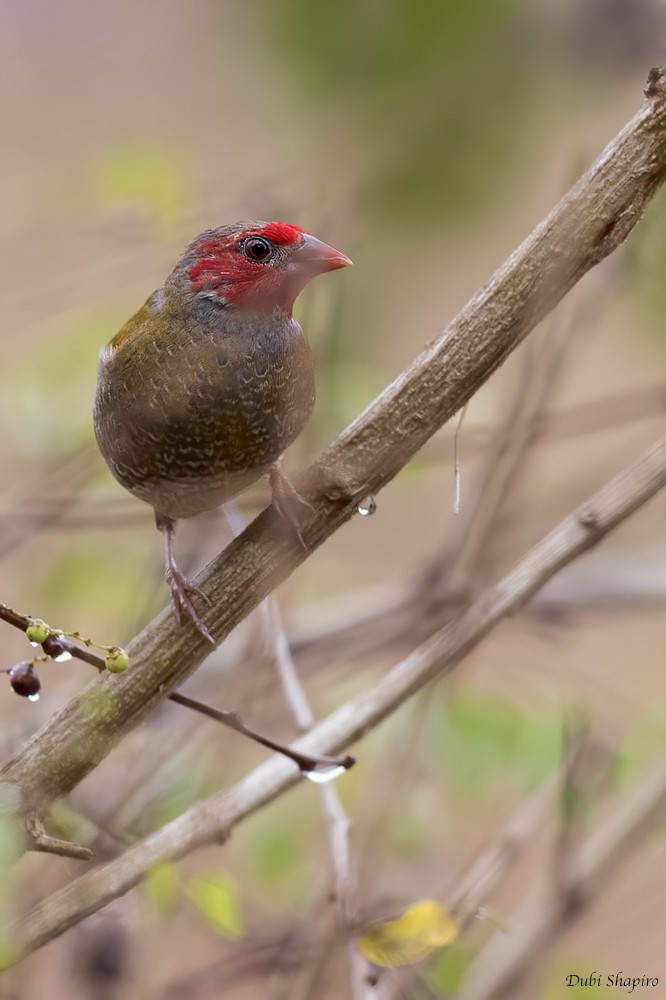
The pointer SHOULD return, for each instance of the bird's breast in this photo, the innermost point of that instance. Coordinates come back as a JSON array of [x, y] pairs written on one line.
[[203, 403]]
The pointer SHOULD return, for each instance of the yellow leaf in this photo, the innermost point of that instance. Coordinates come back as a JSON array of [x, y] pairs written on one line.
[[420, 930], [216, 899]]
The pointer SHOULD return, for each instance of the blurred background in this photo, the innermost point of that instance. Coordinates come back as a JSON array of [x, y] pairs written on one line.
[[424, 138]]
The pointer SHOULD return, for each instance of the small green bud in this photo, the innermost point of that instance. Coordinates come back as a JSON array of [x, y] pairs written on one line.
[[117, 660], [37, 630]]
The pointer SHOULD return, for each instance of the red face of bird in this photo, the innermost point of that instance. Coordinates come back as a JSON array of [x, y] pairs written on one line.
[[257, 266]]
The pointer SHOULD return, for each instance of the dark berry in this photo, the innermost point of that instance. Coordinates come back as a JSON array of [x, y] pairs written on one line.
[[24, 680], [53, 646]]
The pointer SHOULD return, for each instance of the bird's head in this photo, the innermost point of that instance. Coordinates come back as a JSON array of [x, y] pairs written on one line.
[[257, 266]]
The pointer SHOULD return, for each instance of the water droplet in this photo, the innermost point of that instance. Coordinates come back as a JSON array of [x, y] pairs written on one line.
[[33, 697], [323, 775], [63, 657], [34, 644], [456, 502], [367, 507]]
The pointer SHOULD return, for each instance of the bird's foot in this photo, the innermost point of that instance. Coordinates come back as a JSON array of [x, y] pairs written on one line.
[[286, 498], [181, 588], [178, 584]]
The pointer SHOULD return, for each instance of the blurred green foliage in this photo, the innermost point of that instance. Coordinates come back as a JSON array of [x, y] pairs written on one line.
[[50, 397], [151, 178], [278, 860], [179, 793], [87, 579], [447, 968], [11, 847], [439, 90], [486, 743], [643, 266], [68, 824], [407, 835], [213, 896], [216, 898], [424, 111], [277, 854], [160, 891], [644, 743]]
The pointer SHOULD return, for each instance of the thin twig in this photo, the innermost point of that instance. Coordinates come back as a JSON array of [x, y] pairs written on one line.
[[215, 817], [466, 899], [56, 645], [500, 966], [456, 460], [519, 430], [40, 840], [592, 220], [33, 513], [337, 822]]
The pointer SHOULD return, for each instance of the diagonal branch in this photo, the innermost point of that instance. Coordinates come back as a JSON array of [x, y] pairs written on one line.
[[337, 821], [587, 224], [57, 643], [537, 922], [212, 819]]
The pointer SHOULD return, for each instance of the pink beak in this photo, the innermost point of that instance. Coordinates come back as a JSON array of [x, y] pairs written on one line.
[[314, 257], [310, 258]]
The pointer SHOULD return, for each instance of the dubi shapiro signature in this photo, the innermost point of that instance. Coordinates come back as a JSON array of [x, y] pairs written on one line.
[[629, 983]]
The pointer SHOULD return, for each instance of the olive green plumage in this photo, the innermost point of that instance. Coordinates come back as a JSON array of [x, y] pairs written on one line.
[[203, 389], [194, 401]]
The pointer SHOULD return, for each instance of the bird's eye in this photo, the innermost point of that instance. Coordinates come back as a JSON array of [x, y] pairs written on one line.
[[257, 248]]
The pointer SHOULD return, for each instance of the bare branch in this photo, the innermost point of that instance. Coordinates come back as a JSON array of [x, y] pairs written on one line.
[[466, 899], [337, 821], [587, 224], [56, 644], [40, 840], [213, 819], [505, 959]]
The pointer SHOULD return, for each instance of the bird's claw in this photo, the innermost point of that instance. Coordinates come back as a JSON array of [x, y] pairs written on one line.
[[285, 496], [180, 588]]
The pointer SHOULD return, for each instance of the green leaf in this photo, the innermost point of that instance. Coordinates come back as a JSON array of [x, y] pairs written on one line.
[[216, 899], [161, 889]]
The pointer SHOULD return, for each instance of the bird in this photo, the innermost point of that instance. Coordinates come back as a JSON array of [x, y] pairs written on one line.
[[202, 390]]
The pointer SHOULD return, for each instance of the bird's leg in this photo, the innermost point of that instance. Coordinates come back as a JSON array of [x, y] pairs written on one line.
[[178, 584], [286, 497]]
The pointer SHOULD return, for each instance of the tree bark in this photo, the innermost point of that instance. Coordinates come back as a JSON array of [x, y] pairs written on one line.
[[587, 224]]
